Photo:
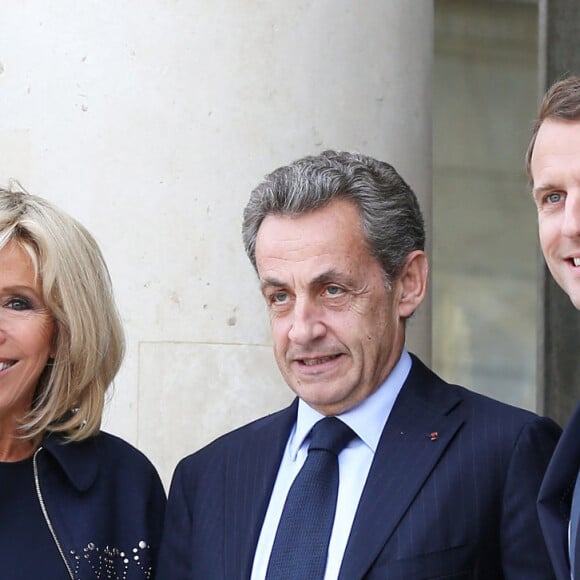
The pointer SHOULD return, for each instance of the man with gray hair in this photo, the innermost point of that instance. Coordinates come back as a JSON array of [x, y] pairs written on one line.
[[553, 164], [378, 469]]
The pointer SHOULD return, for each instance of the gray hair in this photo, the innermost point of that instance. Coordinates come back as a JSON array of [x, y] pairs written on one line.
[[389, 211]]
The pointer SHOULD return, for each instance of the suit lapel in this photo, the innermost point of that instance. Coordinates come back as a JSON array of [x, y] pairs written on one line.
[[416, 435], [252, 466]]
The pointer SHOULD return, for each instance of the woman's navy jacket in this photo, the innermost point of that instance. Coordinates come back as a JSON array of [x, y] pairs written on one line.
[[104, 504]]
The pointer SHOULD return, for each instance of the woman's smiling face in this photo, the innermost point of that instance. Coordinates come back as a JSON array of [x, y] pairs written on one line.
[[26, 332]]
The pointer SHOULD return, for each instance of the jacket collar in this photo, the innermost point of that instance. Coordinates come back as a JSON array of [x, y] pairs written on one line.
[[80, 461]]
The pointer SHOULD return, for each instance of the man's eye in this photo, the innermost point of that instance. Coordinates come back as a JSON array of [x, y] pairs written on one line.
[[333, 290], [278, 297], [553, 197]]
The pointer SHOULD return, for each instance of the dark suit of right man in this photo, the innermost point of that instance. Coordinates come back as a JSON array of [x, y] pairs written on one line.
[[555, 498]]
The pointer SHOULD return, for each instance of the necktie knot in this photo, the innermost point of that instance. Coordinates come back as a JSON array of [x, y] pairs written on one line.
[[330, 434]]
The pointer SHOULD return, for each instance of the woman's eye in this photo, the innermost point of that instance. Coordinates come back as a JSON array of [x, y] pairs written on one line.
[[19, 304]]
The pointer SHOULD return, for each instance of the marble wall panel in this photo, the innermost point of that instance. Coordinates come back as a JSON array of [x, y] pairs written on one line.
[[190, 393]]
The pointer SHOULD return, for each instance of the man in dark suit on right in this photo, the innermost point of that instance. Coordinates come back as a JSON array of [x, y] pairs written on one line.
[[553, 164]]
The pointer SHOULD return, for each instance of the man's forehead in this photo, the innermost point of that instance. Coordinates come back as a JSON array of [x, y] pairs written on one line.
[[556, 152], [556, 134]]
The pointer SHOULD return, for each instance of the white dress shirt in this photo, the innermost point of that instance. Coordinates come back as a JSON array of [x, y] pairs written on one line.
[[367, 420]]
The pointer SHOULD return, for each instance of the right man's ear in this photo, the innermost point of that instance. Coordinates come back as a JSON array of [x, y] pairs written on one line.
[[412, 283]]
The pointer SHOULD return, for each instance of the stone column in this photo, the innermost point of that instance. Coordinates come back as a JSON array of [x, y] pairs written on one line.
[[151, 122], [559, 344]]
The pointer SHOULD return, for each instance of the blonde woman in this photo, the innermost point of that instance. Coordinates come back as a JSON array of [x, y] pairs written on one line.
[[76, 502]]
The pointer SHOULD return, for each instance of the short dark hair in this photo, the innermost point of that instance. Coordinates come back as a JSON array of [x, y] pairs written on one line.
[[389, 211], [562, 101]]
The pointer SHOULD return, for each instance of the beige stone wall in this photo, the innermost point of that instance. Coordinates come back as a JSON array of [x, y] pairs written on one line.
[[151, 120]]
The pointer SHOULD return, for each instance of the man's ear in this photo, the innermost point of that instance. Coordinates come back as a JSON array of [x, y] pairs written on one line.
[[412, 283]]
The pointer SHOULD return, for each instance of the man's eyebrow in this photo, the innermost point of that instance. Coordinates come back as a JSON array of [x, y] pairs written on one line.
[[329, 276], [543, 188], [270, 282]]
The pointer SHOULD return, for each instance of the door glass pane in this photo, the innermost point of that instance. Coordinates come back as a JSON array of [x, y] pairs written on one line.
[[484, 222]]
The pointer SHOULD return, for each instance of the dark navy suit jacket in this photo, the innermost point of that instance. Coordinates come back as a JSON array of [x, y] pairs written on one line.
[[555, 498], [457, 505]]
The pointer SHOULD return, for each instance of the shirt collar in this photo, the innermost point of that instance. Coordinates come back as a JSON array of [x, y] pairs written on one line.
[[367, 419]]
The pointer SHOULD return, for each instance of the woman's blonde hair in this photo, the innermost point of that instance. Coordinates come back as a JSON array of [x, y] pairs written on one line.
[[76, 287]]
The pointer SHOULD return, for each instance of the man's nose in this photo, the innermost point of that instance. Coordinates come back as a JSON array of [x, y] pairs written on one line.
[[571, 226], [307, 323]]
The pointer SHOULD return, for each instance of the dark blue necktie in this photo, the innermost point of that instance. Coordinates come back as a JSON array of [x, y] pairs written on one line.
[[301, 544], [574, 523]]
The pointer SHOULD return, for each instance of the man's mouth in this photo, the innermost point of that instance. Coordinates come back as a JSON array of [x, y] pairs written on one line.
[[6, 364], [576, 261], [318, 361]]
